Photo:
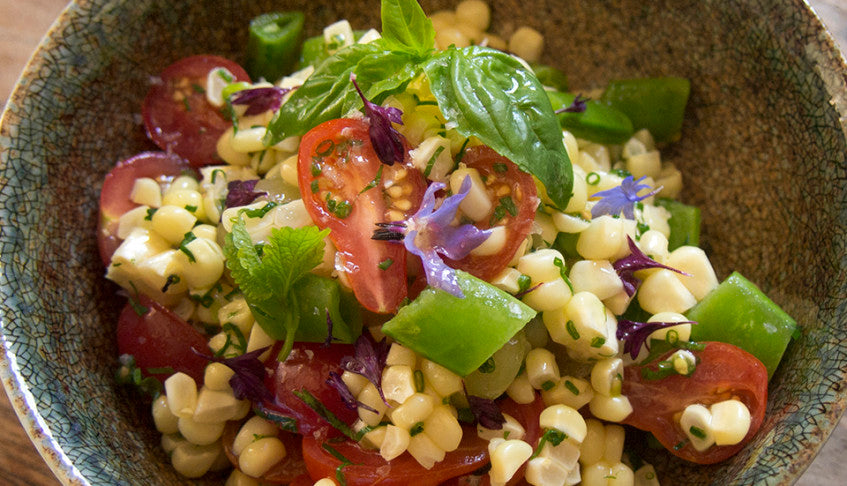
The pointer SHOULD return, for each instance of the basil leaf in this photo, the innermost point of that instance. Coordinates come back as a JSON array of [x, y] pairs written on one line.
[[406, 27], [492, 96]]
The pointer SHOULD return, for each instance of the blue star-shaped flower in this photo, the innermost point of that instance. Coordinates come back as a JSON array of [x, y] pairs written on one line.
[[621, 199]]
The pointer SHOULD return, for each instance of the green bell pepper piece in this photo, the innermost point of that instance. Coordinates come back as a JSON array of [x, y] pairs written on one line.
[[459, 333], [316, 295], [550, 76], [684, 223], [598, 123], [738, 313], [657, 104], [274, 44]]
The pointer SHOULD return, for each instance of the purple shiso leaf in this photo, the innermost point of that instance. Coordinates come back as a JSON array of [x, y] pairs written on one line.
[[487, 412], [346, 395], [635, 334], [240, 193], [369, 361], [260, 100], [621, 198], [386, 140], [635, 261], [578, 105], [249, 378]]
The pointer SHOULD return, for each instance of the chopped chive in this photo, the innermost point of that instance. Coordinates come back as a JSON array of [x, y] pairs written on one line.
[[306, 397], [416, 429], [223, 74], [325, 148], [242, 341], [598, 342], [461, 153], [489, 366], [197, 88], [571, 387], [563, 272], [419, 382], [186, 104], [592, 179], [188, 238], [571, 327], [548, 385], [315, 187], [523, 283], [375, 181], [680, 444], [259, 212], [342, 209], [136, 305], [215, 174], [553, 436], [191, 209], [315, 169], [385, 264], [432, 160], [150, 213], [697, 432], [501, 167], [172, 279]]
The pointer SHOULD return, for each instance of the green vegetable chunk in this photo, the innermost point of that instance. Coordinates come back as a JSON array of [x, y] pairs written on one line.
[[598, 123], [317, 295], [274, 44], [499, 371], [737, 312], [459, 333], [657, 104], [550, 76], [684, 223], [315, 50]]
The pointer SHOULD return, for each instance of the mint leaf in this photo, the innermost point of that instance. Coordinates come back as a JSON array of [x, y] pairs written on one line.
[[291, 253], [491, 95], [405, 26]]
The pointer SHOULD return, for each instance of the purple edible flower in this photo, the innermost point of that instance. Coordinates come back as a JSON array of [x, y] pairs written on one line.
[[386, 140], [487, 412], [635, 261], [429, 233], [635, 334], [369, 361], [621, 198], [240, 193], [259, 100], [578, 105], [346, 395], [249, 378]]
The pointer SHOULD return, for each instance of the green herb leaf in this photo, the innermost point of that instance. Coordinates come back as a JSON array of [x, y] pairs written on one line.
[[491, 95], [306, 397], [405, 26]]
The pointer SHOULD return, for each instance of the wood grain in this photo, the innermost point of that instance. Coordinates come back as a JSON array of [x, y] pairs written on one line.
[[23, 23]]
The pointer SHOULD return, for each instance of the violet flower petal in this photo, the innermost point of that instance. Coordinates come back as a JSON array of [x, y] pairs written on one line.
[[621, 198], [635, 261], [249, 378], [369, 361], [259, 100], [346, 395], [487, 412], [438, 274], [240, 193], [578, 105], [635, 334], [386, 140]]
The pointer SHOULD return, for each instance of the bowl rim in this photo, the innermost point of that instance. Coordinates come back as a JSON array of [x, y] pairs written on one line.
[[17, 388]]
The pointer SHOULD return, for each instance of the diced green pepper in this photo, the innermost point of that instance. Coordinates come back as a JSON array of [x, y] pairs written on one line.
[[598, 123], [274, 44], [316, 295], [684, 223], [737, 312], [657, 104], [459, 333], [550, 76], [314, 49]]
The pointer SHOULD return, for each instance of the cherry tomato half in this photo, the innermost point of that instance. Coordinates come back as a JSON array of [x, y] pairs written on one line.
[[514, 209], [723, 372], [307, 368], [114, 197], [177, 115], [338, 177], [160, 339]]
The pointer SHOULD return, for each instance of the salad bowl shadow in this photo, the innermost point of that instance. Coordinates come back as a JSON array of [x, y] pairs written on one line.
[[763, 152]]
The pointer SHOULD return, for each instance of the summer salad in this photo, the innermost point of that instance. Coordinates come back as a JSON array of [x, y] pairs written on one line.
[[413, 256]]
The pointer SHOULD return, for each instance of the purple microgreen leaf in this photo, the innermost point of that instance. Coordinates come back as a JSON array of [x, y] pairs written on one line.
[[259, 100], [635, 261], [241, 193], [621, 199], [248, 382], [635, 334], [578, 105], [521, 294], [487, 412], [386, 140], [368, 361], [346, 395]]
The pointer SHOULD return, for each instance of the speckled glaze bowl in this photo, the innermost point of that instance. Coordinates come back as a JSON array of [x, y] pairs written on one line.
[[763, 153]]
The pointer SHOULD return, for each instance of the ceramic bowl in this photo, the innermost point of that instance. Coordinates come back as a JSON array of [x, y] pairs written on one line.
[[763, 152]]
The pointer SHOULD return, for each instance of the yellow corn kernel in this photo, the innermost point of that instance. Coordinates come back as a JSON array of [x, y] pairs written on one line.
[[395, 442], [237, 312], [475, 13], [506, 458], [398, 383], [146, 191], [602, 240], [215, 406], [134, 218], [166, 422], [527, 43], [217, 376], [541, 368], [326, 482], [543, 471], [615, 435], [564, 419], [415, 409], [597, 277], [493, 244], [259, 339], [370, 397], [238, 478], [607, 376], [227, 153], [181, 391], [730, 422], [374, 438], [253, 428], [447, 431], [520, 390], [476, 204], [662, 291], [569, 391], [612, 409], [548, 296], [193, 461], [424, 450], [701, 278], [172, 223], [261, 455], [400, 355], [646, 476], [451, 36], [170, 442], [594, 446], [200, 433], [444, 381]]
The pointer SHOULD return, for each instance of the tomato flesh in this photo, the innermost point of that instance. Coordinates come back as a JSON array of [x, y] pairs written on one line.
[[498, 172], [337, 174], [723, 371], [161, 339], [177, 115], [114, 197]]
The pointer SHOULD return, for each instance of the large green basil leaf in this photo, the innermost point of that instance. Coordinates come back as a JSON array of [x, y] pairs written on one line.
[[492, 96], [406, 27], [329, 94]]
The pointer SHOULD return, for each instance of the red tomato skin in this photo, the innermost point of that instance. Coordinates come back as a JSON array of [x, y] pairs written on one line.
[[117, 186], [191, 133], [307, 368], [161, 339], [378, 290], [723, 371], [524, 195]]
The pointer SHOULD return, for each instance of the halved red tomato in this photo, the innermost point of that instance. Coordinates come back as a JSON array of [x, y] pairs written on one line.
[[158, 338], [307, 368], [343, 182], [723, 372], [515, 201], [177, 115], [114, 197]]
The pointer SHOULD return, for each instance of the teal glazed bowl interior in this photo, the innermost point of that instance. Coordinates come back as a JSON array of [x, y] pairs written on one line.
[[763, 152]]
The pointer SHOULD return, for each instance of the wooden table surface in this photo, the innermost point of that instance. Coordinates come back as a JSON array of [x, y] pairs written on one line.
[[24, 22]]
